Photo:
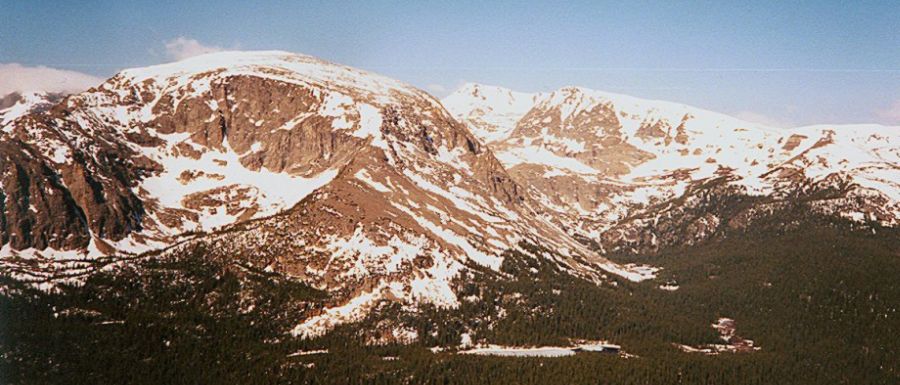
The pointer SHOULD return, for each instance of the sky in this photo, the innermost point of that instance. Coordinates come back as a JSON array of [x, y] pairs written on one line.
[[783, 63]]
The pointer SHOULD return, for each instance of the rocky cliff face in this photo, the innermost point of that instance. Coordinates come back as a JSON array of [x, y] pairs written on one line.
[[62, 183], [348, 181]]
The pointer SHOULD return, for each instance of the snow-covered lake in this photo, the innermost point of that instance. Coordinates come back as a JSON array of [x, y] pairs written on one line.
[[540, 351], [547, 351]]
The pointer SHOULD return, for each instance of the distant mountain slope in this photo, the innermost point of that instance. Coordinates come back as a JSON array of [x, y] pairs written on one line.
[[491, 112], [603, 160], [17, 104]]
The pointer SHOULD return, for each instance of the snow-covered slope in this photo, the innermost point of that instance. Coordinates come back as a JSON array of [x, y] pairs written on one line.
[[369, 189], [599, 158], [348, 181], [490, 112], [224, 157], [15, 105]]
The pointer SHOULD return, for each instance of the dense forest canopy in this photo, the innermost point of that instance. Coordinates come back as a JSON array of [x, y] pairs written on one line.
[[820, 301]]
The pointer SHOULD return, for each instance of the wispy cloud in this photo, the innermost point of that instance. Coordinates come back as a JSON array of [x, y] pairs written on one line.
[[756, 117], [436, 88], [182, 48], [15, 77], [891, 114], [441, 90]]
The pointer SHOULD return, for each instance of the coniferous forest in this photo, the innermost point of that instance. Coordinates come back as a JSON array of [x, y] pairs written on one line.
[[820, 300]]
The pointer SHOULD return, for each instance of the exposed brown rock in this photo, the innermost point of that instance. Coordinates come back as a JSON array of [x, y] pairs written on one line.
[[793, 141]]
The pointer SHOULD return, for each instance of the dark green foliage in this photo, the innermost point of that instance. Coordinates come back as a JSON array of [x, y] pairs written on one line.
[[821, 300], [151, 322]]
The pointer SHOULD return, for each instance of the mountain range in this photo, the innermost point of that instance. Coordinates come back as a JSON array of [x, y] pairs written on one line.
[[378, 194]]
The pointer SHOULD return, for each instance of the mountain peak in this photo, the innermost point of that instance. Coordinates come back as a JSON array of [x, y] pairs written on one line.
[[488, 93], [490, 111], [293, 68]]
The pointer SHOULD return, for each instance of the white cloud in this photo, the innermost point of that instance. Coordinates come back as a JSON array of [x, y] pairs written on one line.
[[15, 77], [436, 88], [756, 117], [441, 90], [891, 114], [182, 48]]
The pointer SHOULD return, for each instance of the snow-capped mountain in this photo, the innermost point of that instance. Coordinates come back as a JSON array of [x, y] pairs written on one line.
[[348, 181], [490, 112], [604, 160], [369, 189]]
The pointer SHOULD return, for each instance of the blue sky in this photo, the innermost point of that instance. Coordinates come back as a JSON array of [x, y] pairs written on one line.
[[783, 62]]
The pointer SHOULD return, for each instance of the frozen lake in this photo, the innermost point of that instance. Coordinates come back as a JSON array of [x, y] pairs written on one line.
[[540, 351]]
